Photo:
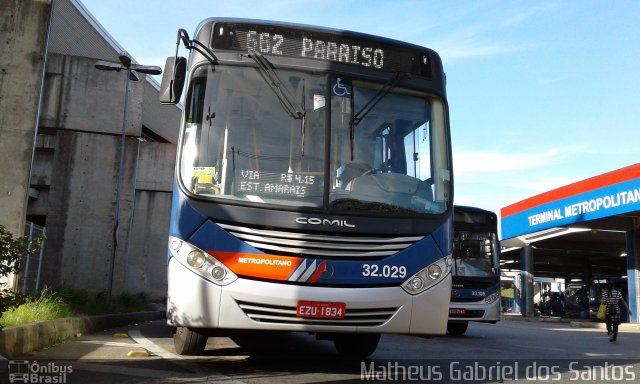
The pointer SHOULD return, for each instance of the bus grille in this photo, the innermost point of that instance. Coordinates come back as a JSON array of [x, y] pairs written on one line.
[[466, 299], [321, 246], [263, 313]]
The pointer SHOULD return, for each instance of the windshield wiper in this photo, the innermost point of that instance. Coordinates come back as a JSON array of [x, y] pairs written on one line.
[[287, 100], [282, 92], [384, 91], [368, 107]]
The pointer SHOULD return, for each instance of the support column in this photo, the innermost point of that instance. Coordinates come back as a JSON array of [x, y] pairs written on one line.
[[526, 280], [25, 29], [633, 275], [587, 275]]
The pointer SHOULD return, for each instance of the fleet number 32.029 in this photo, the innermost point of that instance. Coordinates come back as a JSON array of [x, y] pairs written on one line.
[[390, 271]]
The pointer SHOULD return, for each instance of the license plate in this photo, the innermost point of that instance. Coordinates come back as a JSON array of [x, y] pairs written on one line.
[[456, 311], [321, 309]]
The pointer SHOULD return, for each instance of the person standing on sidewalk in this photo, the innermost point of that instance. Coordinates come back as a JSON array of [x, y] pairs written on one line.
[[612, 297]]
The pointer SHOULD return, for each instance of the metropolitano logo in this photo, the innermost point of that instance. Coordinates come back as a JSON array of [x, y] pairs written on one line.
[[31, 372]]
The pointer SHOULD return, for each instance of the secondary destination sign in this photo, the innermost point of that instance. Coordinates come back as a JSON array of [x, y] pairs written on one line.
[[347, 48], [277, 184]]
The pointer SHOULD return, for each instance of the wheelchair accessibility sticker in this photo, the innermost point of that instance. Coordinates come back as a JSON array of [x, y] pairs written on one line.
[[341, 87]]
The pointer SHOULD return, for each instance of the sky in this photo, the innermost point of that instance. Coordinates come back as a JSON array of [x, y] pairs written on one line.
[[541, 93]]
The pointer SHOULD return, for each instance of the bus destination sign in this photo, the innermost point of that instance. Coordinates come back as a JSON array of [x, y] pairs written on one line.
[[322, 45]]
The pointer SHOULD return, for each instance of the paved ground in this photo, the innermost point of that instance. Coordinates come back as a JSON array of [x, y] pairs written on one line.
[[548, 350]]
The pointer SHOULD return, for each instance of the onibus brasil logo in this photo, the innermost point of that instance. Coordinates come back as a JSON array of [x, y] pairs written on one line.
[[25, 371]]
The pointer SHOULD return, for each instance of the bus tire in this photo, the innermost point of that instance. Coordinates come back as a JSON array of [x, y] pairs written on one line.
[[457, 328], [189, 342], [356, 345]]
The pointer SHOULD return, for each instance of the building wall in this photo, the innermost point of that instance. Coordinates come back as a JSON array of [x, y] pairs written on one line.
[[79, 97], [80, 220], [145, 266], [75, 174], [24, 26]]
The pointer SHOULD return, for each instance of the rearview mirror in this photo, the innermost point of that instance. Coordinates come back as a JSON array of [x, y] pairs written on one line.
[[175, 70]]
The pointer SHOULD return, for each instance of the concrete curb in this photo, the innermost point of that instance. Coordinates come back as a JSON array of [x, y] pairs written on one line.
[[572, 323], [591, 324], [20, 340], [540, 319]]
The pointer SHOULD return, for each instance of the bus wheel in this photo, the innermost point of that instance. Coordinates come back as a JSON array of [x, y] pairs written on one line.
[[457, 328], [356, 345], [189, 342]]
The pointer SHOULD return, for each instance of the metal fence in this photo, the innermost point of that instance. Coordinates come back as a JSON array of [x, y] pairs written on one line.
[[29, 278]]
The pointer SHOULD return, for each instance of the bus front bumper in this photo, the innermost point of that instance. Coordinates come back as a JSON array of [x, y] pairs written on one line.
[[257, 305], [474, 311]]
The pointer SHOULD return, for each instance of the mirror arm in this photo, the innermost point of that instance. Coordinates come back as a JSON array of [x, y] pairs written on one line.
[[184, 36], [204, 51], [195, 45]]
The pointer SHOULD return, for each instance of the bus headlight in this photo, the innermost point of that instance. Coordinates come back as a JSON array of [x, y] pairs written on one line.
[[416, 283], [196, 259], [218, 272], [428, 276], [492, 298], [200, 262], [434, 272]]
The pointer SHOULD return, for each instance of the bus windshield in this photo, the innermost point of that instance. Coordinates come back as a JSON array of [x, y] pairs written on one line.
[[355, 146], [475, 254]]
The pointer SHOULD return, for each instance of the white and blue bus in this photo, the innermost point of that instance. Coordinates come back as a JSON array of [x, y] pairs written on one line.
[[313, 188], [475, 293]]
